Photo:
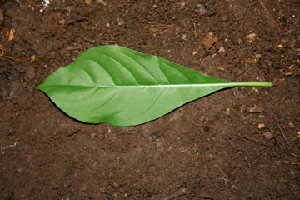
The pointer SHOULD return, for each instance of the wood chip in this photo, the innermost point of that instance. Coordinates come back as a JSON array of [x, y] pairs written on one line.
[[11, 34]]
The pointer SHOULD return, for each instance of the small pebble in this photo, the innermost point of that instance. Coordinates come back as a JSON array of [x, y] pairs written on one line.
[[94, 135], [261, 125], [268, 135]]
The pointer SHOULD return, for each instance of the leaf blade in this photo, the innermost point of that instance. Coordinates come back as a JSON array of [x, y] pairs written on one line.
[[122, 87]]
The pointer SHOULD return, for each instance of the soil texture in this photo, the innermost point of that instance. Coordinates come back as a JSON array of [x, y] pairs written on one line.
[[238, 143]]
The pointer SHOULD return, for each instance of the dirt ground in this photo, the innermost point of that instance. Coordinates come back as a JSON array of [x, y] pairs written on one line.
[[238, 143]]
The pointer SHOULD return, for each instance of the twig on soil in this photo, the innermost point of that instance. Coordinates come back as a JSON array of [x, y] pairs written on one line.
[[263, 5], [12, 145], [4, 56], [289, 163], [80, 19], [195, 123], [225, 175], [253, 140], [294, 155], [195, 30], [282, 133]]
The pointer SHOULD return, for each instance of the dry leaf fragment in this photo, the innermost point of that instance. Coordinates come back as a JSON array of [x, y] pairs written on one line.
[[33, 58], [102, 2], [88, 1], [221, 49], [251, 37], [255, 109], [288, 73], [290, 125], [209, 40], [200, 9]]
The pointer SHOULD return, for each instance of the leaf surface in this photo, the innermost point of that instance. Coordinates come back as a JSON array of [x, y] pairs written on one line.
[[123, 87]]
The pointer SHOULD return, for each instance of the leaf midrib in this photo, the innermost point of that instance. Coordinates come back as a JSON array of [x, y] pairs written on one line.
[[225, 84]]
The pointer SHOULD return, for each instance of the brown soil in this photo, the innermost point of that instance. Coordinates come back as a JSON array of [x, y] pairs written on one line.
[[239, 143]]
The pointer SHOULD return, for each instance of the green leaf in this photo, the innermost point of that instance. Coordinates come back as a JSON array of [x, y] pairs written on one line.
[[123, 87]]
